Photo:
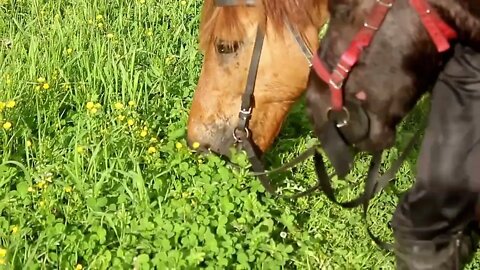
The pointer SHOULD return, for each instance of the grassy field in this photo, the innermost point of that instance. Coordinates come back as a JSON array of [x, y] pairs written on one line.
[[94, 171]]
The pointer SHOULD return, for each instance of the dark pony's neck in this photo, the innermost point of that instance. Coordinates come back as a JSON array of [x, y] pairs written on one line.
[[464, 16]]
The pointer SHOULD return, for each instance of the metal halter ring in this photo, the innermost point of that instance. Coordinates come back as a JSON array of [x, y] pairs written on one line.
[[237, 139], [345, 119]]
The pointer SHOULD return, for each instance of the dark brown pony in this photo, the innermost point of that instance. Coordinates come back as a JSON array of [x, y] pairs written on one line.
[[400, 64]]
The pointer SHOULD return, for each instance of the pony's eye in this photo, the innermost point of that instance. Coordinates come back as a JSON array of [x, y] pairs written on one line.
[[227, 47]]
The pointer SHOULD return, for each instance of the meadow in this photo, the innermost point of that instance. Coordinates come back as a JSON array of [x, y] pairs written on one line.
[[94, 168]]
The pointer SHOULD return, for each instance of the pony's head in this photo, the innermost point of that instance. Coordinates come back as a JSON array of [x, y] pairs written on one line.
[[377, 58], [229, 31]]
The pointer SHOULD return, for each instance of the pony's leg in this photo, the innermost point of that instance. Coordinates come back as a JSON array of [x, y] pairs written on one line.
[[433, 222]]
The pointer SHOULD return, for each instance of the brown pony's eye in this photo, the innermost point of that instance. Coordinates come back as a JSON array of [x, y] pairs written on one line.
[[227, 47]]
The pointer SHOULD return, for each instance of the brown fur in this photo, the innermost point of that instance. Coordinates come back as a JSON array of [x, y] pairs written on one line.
[[281, 77], [225, 23]]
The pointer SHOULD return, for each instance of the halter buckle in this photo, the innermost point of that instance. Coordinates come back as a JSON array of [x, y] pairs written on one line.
[[245, 113], [245, 132], [388, 5], [344, 119], [335, 85]]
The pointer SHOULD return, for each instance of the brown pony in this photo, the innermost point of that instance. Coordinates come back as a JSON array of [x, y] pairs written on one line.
[[227, 37], [400, 63]]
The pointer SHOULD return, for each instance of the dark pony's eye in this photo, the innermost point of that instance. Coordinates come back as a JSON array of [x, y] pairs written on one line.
[[227, 47]]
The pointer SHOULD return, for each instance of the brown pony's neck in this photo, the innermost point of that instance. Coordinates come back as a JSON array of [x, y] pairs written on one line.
[[464, 15]]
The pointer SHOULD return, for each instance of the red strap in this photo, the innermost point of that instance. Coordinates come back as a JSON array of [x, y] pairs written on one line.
[[438, 30]]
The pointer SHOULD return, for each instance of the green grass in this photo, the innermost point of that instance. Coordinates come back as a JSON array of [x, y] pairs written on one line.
[[94, 171]]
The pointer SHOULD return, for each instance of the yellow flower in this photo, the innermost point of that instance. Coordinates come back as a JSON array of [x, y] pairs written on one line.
[[93, 110], [7, 125], [69, 50], [68, 189], [153, 140], [90, 21], [143, 133], [100, 25], [10, 104], [37, 87], [80, 149], [90, 105], [78, 267], [2, 105], [42, 203], [130, 122], [31, 189], [151, 150], [46, 86], [2, 261], [3, 252], [41, 80], [118, 106], [110, 35], [98, 106], [183, 3], [121, 117], [195, 145], [131, 103], [14, 229], [149, 32], [29, 143], [142, 1], [41, 184], [178, 145], [99, 17]]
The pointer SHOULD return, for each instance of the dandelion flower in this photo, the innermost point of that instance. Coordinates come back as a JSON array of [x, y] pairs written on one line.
[[183, 3], [69, 50], [68, 189], [153, 140], [130, 122], [100, 25], [178, 145], [131, 103], [149, 32], [110, 35], [7, 125], [99, 17], [143, 133], [80, 149], [3, 252], [29, 143], [2, 105], [14, 229], [2, 261], [41, 80], [142, 1], [151, 150], [90, 21], [121, 117], [46, 86], [42, 203], [31, 189], [90, 105], [118, 106], [78, 267], [10, 104], [195, 145], [93, 110]]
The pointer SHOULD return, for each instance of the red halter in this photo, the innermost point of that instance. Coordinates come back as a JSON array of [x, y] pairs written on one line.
[[439, 32]]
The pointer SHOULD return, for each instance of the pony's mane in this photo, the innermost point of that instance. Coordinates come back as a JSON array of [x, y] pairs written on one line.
[[224, 22]]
